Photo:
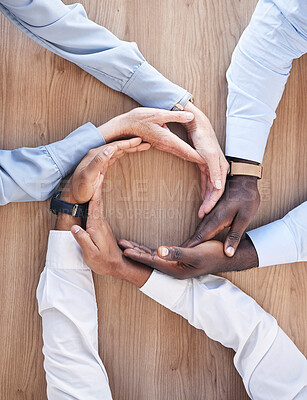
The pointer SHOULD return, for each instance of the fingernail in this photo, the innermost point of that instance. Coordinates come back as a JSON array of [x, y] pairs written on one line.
[[108, 151], [218, 184], [164, 251], [230, 251], [75, 229], [189, 116]]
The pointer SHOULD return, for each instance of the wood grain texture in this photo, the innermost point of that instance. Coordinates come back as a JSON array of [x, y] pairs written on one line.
[[149, 352]]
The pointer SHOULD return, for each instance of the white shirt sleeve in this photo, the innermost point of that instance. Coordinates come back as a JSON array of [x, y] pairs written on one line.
[[260, 67], [66, 31], [67, 305], [283, 241], [269, 363]]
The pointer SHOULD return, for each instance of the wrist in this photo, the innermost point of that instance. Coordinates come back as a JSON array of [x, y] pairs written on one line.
[[68, 196], [241, 160], [114, 128], [64, 222], [132, 272], [246, 256], [242, 179]]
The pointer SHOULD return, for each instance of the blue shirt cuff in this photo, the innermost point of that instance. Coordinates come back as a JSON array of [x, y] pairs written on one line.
[[67, 153], [151, 89]]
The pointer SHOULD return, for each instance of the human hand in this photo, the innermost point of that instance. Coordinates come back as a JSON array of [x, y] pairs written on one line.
[[183, 263], [235, 209], [100, 250], [150, 125], [214, 166], [82, 184]]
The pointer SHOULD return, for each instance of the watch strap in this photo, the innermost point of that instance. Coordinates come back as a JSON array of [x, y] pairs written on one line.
[[183, 102], [240, 168], [75, 210]]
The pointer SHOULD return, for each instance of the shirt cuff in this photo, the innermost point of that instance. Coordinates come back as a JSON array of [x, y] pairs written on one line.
[[151, 89], [67, 153], [246, 138], [164, 289], [64, 252], [274, 244]]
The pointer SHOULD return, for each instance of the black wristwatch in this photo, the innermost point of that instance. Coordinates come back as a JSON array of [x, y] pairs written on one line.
[[75, 210]]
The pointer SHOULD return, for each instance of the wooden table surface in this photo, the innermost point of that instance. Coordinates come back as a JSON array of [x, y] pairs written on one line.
[[149, 352]]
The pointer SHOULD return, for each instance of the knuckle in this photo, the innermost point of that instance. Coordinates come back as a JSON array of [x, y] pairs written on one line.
[[177, 253], [234, 237], [98, 159], [198, 236]]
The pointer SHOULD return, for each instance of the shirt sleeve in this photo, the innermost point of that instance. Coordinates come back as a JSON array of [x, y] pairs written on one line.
[[66, 31], [269, 363], [28, 174], [67, 305], [283, 241], [259, 69]]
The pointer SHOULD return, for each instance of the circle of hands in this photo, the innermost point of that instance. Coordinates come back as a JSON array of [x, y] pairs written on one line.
[[222, 204]]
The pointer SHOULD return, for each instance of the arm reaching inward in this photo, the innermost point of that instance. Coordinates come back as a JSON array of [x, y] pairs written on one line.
[[66, 295], [259, 69], [28, 174], [66, 31], [280, 242], [270, 364]]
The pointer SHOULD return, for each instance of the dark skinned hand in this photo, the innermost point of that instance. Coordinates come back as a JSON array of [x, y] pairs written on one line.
[[183, 263], [237, 206]]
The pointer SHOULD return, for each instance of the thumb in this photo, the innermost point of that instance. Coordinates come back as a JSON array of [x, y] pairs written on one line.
[[83, 239], [234, 237], [176, 254]]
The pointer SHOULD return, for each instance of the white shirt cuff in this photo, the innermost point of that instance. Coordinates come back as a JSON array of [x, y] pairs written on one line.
[[274, 244], [64, 252], [246, 138], [164, 289]]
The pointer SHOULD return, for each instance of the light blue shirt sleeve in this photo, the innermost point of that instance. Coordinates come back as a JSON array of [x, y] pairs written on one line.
[[28, 174], [283, 241], [260, 67], [66, 31]]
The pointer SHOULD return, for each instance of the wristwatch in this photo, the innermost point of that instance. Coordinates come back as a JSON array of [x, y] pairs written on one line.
[[75, 210], [240, 168], [183, 102]]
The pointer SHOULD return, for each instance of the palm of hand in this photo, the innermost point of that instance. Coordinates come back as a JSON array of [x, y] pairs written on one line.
[[205, 258]]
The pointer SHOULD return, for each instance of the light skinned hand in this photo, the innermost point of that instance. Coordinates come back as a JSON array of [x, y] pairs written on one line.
[[150, 125], [214, 166], [82, 184]]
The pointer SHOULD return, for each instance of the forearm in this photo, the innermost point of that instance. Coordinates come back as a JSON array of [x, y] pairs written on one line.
[[28, 174], [258, 73], [244, 258], [67, 305], [66, 31], [229, 316]]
